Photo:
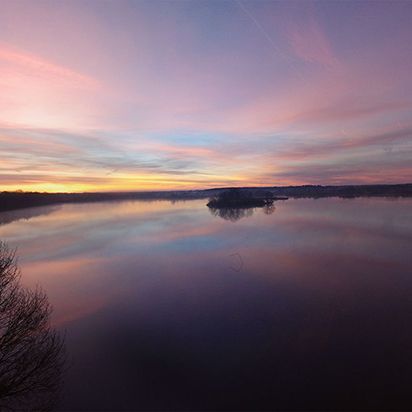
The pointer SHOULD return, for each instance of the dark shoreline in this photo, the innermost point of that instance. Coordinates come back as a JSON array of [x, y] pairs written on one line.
[[20, 200]]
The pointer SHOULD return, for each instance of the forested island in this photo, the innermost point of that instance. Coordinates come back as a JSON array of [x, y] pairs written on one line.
[[19, 200], [241, 198]]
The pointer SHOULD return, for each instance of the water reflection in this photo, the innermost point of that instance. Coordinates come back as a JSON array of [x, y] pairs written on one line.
[[234, 214], [169, 308], [31, 354], [25, 214]]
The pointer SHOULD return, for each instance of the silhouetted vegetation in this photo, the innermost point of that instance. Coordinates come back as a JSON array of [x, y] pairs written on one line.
[[234, 204], [31, 353], [18, 200], [239, 198]]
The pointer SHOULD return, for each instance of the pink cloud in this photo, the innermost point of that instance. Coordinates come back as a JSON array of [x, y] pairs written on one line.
[[38, 66], [37, 92], [309, 43]]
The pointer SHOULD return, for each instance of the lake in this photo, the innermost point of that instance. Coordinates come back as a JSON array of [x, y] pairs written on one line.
[[167, 306]]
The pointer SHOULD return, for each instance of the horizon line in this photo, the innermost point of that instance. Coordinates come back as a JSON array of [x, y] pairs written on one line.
[[209, 189]]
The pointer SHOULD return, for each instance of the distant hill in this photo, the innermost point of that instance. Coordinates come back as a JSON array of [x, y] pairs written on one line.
[[19, 200]]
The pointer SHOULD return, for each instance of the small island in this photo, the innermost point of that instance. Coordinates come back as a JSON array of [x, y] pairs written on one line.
[[241, 198]]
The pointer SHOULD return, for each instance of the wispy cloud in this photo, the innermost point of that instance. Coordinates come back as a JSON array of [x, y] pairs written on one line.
[[309, 42], [382, 141], [40, 67], [39, 92]]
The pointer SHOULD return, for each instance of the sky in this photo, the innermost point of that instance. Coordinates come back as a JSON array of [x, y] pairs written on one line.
[[155, 95]]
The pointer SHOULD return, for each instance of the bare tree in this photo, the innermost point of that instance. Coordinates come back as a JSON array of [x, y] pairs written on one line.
[[32, 355]]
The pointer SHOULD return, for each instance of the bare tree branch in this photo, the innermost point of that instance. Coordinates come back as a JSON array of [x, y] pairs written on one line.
[[32, 355]]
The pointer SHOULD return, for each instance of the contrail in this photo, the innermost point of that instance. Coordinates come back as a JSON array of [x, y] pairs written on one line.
[[259, 26], [268, 37]]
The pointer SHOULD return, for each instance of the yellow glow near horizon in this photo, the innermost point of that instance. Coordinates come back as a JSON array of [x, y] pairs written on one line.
[[125, 183]]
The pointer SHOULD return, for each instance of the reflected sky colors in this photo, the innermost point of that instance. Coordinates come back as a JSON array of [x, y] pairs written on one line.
[[168, 307], [115, 95]]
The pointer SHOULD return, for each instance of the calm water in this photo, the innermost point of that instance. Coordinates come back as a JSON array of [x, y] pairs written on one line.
[[166, 306]]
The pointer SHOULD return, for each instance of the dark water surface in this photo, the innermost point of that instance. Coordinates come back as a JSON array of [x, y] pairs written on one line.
[[169, 307]]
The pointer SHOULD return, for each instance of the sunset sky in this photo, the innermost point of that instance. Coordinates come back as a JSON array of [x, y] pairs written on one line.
[[137, 95]]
